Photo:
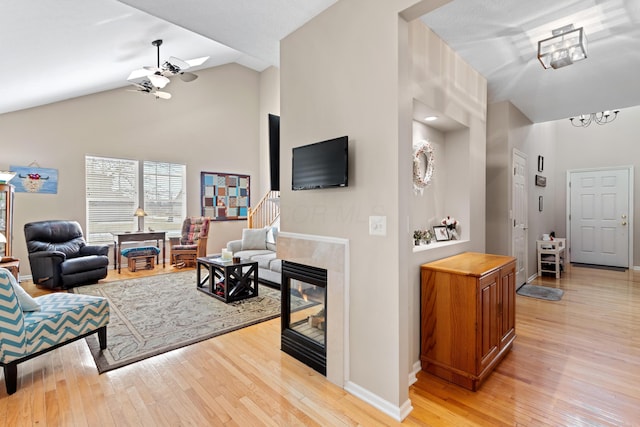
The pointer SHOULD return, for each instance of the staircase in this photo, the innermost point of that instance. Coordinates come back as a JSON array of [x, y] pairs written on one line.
[[266, 212]]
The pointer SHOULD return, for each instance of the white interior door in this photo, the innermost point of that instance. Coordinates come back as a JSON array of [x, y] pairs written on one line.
[[599, 217], [519, 214]]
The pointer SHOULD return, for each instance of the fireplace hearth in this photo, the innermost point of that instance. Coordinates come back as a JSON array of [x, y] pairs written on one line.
[[304, 331]]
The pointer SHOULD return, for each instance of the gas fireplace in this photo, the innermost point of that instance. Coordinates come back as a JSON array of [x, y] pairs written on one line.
[[304, 320]]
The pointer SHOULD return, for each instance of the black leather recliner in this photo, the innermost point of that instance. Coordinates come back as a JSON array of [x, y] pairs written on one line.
[[60, 257]]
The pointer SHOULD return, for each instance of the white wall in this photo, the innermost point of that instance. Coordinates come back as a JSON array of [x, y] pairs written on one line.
[[508, 130], [340, 75], [210, 124], [614, 144], [269, 104], [564, 147]]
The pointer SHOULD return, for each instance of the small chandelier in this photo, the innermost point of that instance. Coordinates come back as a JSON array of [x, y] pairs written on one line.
[[601, 118], [567, 46]]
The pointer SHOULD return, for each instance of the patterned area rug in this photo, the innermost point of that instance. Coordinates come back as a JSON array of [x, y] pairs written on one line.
[[540, 292], [155, 314]]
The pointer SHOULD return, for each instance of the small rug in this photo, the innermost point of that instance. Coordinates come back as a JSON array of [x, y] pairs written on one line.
[[155, 314], [540, 292]]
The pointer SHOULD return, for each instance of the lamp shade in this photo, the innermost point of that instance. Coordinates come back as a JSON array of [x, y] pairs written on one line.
[[139, 212], [6, 176], [567, 46]]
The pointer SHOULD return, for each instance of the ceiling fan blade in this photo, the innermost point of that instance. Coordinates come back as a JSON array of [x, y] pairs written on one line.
[[139, 73], [187, 77], [197, 61], [178, 63], [152, 70], [163, 95], [158, 81]]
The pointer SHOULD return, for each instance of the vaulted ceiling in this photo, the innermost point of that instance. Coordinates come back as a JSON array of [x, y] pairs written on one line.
[[69, 48]]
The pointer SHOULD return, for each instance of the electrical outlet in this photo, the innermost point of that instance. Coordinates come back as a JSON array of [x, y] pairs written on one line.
[[378, 225]]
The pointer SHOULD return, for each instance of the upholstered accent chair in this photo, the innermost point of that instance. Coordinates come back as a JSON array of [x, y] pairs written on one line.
[[60, 257], [192, 243], [30, 326]]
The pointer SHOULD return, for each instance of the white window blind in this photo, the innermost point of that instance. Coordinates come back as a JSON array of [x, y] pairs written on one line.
[[165, 200], [111, 197]]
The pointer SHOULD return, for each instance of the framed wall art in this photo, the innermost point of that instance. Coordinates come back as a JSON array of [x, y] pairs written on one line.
[[541, 181], [34, 179], [441, 233], [540, 163], [225, 196]]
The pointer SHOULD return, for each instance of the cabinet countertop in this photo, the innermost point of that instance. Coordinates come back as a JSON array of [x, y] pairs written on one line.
[[469, 263]]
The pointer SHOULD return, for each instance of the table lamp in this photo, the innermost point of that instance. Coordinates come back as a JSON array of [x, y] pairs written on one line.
[[140, 213], [6, 176]]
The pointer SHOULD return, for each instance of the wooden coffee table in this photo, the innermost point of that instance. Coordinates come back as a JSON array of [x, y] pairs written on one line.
[[226, 280]]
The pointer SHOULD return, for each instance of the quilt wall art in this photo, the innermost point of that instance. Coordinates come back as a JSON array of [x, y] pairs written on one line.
[[225, 196]]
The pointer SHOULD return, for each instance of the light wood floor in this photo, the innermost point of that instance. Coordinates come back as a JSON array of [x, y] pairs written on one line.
[[574, 362]]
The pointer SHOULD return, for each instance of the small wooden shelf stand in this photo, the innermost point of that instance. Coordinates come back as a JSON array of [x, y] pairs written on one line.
[[142, 262], [551, 256]]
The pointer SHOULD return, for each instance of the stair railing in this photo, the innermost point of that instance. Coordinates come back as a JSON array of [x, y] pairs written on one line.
[[266, 211]]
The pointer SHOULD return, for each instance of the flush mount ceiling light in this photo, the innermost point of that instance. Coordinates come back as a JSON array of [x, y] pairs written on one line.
[[604, 117], [150, 79], [567, 46]]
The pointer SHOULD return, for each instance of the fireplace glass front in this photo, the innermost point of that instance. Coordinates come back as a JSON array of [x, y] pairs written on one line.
[[304, 321]]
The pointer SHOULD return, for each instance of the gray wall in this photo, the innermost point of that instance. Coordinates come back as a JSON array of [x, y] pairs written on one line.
[[610, 145], [354, 70], [564, 148], [212, 124]]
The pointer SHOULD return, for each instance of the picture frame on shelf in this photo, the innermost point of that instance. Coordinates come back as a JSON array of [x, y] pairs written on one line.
[[441, 233]]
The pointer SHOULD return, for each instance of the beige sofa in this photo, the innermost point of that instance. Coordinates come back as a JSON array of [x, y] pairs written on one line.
[[259, 245]]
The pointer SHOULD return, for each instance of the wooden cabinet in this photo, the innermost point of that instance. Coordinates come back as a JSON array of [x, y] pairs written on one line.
[[6, 218], [467, 316]]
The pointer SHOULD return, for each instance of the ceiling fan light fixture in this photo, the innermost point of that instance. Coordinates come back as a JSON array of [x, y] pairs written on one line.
[[159, 80], [568, 45]]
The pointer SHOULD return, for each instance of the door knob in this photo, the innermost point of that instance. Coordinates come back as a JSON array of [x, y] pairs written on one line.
[[624, 222]]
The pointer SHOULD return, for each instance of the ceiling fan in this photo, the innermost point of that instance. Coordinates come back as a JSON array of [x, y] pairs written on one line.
[[149, 79]]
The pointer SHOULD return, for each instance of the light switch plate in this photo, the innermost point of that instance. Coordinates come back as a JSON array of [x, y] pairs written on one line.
[[378, 225]]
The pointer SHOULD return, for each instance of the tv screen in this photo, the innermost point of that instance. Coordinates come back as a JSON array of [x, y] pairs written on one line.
[[274, 151], [321, 165]]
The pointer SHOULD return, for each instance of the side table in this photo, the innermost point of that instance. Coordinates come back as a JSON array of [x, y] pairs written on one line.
[[12, 266], [226, 280]]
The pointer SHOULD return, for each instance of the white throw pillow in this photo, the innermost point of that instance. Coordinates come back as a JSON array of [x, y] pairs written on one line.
[[254, 239], [26, 301]]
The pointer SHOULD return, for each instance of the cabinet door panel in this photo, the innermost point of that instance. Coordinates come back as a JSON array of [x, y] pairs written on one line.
[[488, 339], [508, 304]]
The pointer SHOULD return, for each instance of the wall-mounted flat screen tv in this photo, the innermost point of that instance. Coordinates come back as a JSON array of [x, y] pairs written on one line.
[[321, 165]]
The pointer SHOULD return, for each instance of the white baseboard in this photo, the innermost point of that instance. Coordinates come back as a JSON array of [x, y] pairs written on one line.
[[398, 413]]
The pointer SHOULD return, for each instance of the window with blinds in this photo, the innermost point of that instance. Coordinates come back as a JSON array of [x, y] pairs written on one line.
[[165, 197], [113, 192], [112, 197]]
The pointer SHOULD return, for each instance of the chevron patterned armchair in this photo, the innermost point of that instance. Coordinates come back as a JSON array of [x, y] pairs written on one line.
[[30, 327]]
